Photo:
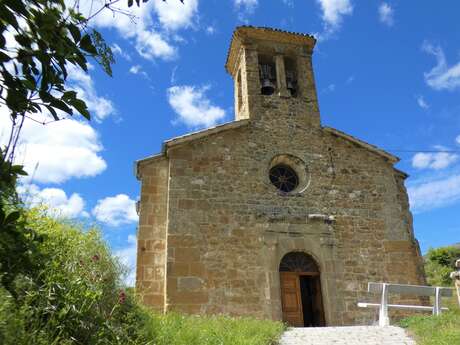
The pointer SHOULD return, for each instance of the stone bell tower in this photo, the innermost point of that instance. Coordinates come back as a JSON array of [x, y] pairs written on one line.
[[273, 70]]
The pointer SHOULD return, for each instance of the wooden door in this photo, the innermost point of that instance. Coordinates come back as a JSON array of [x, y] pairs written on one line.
[[291, 299]]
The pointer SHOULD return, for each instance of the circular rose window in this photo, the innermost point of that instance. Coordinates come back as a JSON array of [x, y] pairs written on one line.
[[284, 178]]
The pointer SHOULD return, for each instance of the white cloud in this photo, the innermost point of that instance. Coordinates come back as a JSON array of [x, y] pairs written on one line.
[[57, 151], [127, 257], [176, 15], [151, 45], [116, 210], [422, 103], [210, 30], [248, 4], [173, 75], [82, 83], [437, 193], [436, 161], [56, 199], [333, 12], [245, 8], [457, 139], [152, 41], [329, 88], [386, 14], [116, 49], [441, 77], [137, 69], [193, 107]]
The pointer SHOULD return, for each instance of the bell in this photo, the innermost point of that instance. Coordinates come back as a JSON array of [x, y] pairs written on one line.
[[290, 82], [267, 87], [265, 76]]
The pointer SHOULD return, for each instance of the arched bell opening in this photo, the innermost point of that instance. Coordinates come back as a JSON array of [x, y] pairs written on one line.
[[267, 75], [301, 296]]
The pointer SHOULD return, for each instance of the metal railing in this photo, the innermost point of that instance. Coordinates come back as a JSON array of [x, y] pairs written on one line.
[[415, 290]]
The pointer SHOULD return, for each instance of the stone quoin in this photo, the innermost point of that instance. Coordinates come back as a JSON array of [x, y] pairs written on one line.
[[272, 215]]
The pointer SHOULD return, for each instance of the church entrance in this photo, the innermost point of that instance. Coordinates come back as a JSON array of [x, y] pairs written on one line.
[[301, 297]]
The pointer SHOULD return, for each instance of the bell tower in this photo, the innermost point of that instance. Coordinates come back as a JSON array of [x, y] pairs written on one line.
[[273, 74]]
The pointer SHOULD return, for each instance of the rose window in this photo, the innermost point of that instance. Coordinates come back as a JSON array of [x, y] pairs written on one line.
[[284, 178]]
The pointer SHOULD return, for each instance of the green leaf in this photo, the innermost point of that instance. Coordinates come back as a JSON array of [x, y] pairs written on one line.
[[69, 95], [23, 40], [12, 217], [75, 32], [56, 103], [87, 45], [81, 108], [17, 6], [4, 57], [53, 112], [18, 169], [8, 17], [2, 40]]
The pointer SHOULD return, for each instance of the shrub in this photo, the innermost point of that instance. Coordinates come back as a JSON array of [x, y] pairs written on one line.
[[439, 263], [76, 297]]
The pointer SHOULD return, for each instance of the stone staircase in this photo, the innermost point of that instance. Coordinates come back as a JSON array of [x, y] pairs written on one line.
[[355, 335]]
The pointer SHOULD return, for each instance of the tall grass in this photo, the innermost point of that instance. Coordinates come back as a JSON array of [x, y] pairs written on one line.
[[177, 329], [436, 330]]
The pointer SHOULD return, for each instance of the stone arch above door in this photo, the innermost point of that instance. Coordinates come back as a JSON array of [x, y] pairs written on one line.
[[298, 262]]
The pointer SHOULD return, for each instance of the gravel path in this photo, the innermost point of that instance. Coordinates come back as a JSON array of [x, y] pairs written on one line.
[[356, 335]]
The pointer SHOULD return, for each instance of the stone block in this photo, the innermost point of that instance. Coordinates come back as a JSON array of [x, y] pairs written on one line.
[[189, 284]]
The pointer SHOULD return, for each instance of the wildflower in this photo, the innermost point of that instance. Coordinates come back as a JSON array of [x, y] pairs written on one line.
[[121, 297]]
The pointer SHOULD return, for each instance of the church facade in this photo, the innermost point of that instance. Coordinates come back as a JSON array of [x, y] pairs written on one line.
[[272, 215]]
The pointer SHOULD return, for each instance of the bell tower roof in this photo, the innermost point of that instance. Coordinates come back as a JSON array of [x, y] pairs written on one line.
[[247, 33]]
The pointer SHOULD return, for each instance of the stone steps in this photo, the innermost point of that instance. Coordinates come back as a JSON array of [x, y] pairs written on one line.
[[355, 335]]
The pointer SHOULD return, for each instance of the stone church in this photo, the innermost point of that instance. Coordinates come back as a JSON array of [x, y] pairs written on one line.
[[272, 215]]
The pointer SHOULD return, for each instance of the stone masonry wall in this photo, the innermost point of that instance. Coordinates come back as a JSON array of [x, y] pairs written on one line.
[[151, 246], [229, 227]]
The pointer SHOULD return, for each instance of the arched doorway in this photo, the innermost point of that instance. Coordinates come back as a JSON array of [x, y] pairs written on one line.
[[301, 297]]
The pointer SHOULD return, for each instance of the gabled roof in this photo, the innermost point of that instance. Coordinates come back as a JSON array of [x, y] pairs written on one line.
[[204, 133], [238, 124], [263, 33], [391, 158], [187, 138]]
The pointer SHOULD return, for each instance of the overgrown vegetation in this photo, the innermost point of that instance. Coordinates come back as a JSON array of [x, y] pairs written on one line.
[[439, 263], [443, 329], [435, 330], [75, 295]]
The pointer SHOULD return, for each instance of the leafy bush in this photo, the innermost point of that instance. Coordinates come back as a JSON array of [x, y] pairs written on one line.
[[439, 263], [76, 295]]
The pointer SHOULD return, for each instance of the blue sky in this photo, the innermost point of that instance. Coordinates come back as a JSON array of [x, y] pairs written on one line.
[[387, 72]]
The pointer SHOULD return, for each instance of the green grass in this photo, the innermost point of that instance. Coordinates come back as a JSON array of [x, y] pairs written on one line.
[[435, 330], [177, 329]]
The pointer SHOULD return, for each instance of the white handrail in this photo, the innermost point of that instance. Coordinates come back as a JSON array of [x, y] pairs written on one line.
[[386, 288]]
